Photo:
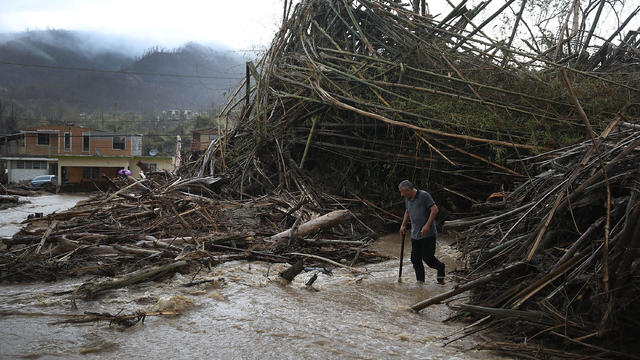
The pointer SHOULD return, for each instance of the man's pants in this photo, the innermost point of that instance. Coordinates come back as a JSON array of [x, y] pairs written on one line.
[[424, 250]]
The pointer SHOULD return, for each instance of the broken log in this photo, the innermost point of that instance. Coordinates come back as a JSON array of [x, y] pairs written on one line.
[[324, 221], [89, 290], [467, 286], [293, 270], [9, 199]]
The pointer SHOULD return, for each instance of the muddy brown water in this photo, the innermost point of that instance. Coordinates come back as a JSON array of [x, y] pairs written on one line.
[[248, 313], [10, 219]]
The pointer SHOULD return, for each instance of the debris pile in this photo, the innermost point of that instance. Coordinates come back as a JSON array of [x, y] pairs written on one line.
[[363, 94], [150, 225], [568, 239]]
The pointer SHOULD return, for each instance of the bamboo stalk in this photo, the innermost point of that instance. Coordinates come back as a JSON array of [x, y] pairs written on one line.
[[596, 146]]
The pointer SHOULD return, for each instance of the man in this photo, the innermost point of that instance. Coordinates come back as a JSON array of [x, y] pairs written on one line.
[[422, 211]]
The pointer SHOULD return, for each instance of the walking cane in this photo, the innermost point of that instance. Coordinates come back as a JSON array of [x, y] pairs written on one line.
[[401, 256]]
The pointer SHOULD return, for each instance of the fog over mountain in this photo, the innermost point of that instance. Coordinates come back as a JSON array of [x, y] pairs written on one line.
[[63, 58]]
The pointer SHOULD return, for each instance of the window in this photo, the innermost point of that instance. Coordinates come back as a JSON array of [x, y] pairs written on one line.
[[85, 142], [43, 139], [118, 142], [90, 172], [31, 164], [67, 141]]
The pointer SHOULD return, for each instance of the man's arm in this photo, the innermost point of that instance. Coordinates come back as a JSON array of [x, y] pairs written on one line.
[[432, 217], [405, 219]]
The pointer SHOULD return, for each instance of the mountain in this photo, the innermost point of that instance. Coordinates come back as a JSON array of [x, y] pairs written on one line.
[[89, 71]]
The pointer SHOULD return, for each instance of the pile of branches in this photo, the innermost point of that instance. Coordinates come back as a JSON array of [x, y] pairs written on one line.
[[164, 220], [364, 93], [570, 237]]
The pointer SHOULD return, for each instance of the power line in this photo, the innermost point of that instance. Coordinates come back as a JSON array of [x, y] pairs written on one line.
[[70, 68]]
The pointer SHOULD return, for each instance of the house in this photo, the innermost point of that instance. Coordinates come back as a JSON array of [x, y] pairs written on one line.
[[179, 114], [78, 155], [201, 138]]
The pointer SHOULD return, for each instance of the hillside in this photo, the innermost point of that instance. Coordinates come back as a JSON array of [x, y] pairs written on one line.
[[47, 89]]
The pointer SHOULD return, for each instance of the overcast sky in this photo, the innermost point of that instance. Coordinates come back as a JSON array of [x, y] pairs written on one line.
[[237, 24]]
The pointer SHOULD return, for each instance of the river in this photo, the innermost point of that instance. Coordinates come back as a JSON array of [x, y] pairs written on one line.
[[249, 313]]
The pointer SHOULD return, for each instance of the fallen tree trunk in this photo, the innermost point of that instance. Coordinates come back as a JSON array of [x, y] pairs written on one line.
[[324, 221], [90, 289]]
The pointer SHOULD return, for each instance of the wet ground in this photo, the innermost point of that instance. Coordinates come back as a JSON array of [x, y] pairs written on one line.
[[11, 218], [248, 313]]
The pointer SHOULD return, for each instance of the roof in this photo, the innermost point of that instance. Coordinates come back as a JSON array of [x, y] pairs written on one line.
[[89, 131], [106, 133], [54, 127], [28, 157]]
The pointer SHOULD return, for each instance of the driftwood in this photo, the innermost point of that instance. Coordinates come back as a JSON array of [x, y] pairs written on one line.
[[327, 220], [46, 234], [91, 289], [293, 270], [122, 320], [159, 221], [467, 286], [9, 199]]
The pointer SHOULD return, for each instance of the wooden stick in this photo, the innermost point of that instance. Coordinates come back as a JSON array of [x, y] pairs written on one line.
[[596, 146], [46, 234], [467, 286], [352, 269]]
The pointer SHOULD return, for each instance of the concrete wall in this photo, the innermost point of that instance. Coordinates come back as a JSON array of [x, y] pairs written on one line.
[[18, 175], [15, 175]]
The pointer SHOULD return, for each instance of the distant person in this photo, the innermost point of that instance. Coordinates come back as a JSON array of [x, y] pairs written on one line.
[[124, 173], [422, 211]]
